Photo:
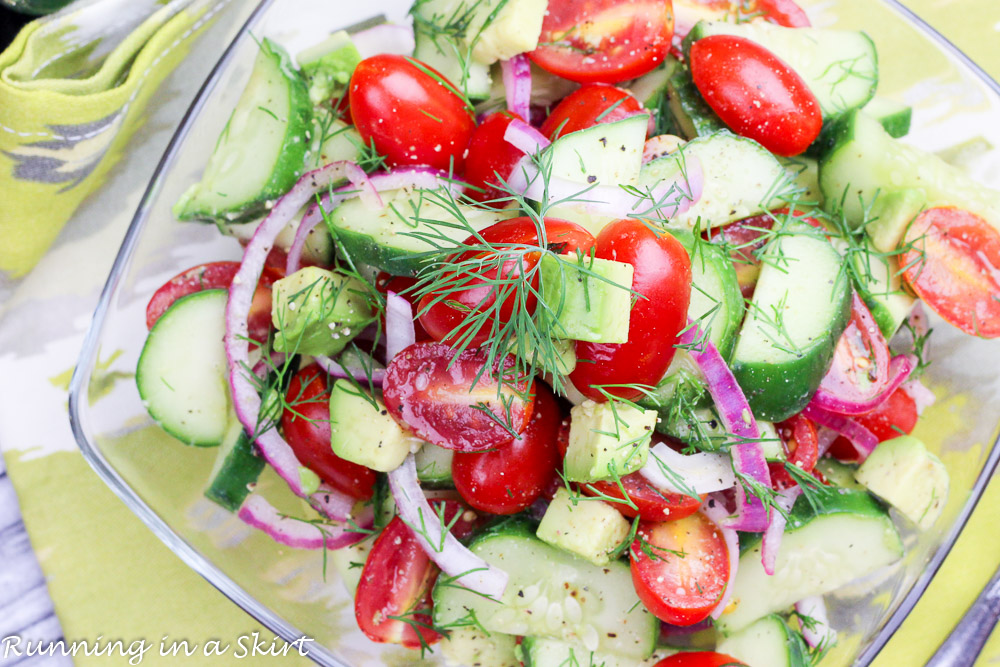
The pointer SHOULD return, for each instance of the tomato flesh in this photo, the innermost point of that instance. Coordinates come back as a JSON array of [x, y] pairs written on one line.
[[491, 160], [801, 442], [604, 40], [446, 398], [514, 475], [306, 426], [680, 568], [700, 659], [588, 106], [663, 277], [897, 415], [410, 112], [755, 93], [951, 259]]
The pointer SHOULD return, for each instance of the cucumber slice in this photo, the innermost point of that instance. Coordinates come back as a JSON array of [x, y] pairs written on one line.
[[741, 179], [769, 641], [865, 162], [839, 66], [385, 239], [261, 151], [434, 466], [804, 171], [182, 377], [716, 300], [546, 652], [237, 466], [318, 249], [652, 91], [881, 288], [470, 646], [799, 309], [553, 594], [839, 474], [691, 115], [850, 535], [895, 117], [454, 62]]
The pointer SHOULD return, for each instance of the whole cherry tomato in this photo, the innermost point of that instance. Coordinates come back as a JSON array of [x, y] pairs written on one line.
[[663, 278], [952, 261], [491, 159], [306, 425], [680, 568], [896, 416], [604, 40], [588, 106], [756, 93], [798, 437], [511, 477], [700, 659], [412, 113]]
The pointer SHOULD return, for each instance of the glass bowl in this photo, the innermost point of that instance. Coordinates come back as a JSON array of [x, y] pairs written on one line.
[[955, 105]]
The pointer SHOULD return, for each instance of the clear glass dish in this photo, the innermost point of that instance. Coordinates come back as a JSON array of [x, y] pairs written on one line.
[[162, 481]]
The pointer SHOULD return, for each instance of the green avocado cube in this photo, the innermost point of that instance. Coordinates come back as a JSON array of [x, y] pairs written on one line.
[[590, 528], [363, 432], [904, 474], [317, 311], [607, 439], [587, 298], [329, 65]]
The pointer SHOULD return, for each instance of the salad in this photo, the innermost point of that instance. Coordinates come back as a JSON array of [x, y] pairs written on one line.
[[585, 333]]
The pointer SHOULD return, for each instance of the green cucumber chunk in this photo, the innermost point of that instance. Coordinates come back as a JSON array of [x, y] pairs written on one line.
[[552, 594], [800, 307], [690, 114], [471, 646], [547, 652], [434, 466], [716, 301], [894, 116], [236, 468], [183, 378], [880, 286], [260, 153], [769, 641]]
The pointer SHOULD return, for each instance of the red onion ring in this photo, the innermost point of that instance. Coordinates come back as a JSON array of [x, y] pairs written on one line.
[[333, 369], [524, 137], [864, 441], [399, 330], [258, 513], [922, 397], [776, 527], [517, 84], [715, 509], [899, 370], [821, 634]]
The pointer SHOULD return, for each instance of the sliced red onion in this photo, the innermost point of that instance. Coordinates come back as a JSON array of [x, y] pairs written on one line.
[[246, 401], [420, 178], [385, 38], [864, 441], [821, 633], [899, 370], [399, 330], [517, 84], [704, 472], [825, 438], [776, 527], [451, 556], [377, 375], [738, 419], [524, 137], [263, 367], [921, 395], [715, 509], [259, 513]]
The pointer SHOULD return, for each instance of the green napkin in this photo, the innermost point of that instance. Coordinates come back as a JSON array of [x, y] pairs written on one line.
[[73, 88]]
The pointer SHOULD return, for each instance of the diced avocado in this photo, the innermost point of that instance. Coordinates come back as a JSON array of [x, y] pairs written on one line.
[[332, 140], [560, 357], [471, 646], [501, 29], [769, 642], [891, 215], [452, 60], [838, 473], [587, 298], [904, 474], [880, 286], [316, 311], [362, 431], [329, 65], [607, 439], [590, 529]]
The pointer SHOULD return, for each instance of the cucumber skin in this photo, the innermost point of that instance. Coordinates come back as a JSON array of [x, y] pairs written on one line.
[[229, 488], [732, 299], [363, 248]]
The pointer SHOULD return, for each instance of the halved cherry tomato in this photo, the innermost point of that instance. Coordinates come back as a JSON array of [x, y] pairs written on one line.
[[217, 275], [511, 477], [491, 159], [700, 659], [780, 12], [798, 437], [680, 568], [446, 398], [306, 426], [411, 112], [860, 367], [663, 278], [396, 581], [951, 259], [756, 93], [896, 416], [604, 40], [444, 314], [588, 106]]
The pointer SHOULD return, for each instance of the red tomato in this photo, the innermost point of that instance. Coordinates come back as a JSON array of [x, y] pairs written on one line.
[[511, 477], [700, 659], [397, 581], [756, 93], [428, 388], [491, 158], [663, 277], [307, 429], [604, 40], [952, 261], [217, 275], [589, 106], [781, 12], [411, 112], [680, 568], [798, 436], [897, 415], [443, 314]]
